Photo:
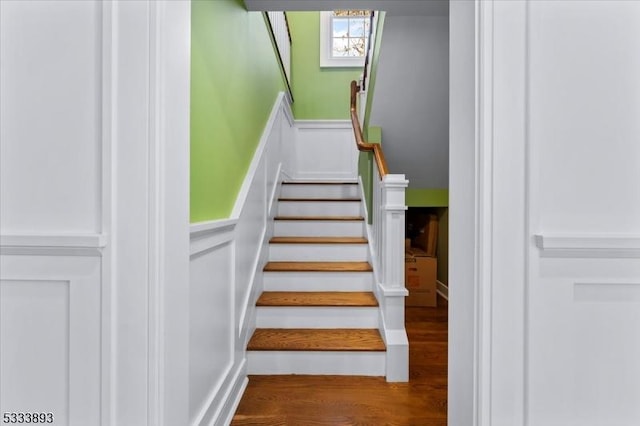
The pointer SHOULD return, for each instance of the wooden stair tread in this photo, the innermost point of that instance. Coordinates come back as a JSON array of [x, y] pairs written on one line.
[[320, 218], [318, 240], [316, 339], [317, 298], [319, 183], [320, 199], [318, 267]]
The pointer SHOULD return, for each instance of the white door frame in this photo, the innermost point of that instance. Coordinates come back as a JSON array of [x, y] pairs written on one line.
[[146, 87], [489, 240]]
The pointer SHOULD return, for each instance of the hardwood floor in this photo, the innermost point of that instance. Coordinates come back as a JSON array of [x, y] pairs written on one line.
[[317, 267], [349, 400]]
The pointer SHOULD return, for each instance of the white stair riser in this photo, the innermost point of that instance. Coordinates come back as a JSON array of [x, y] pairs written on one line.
[[316, 317], [318, 281], [320, 191], [319, 208], [310, 362], [318, 228], [318, 252]]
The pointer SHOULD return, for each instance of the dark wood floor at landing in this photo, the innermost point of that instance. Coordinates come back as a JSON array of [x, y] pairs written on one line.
[[348, 400]]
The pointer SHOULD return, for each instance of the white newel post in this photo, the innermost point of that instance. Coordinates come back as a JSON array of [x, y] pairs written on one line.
[[392, 213], [391, 217]]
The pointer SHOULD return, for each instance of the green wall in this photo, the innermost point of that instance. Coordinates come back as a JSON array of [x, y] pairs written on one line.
[[235, 79], [319, 93], [426, 197]]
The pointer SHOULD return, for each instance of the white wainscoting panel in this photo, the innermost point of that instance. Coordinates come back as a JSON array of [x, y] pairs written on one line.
[[94, 212], [50, 334], [211, 339], [600, 291], [324, 150], [249, 237], [227, 258], [584, 318], [589, 245]]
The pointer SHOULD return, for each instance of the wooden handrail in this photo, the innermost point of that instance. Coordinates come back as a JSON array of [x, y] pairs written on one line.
[[378, 155]]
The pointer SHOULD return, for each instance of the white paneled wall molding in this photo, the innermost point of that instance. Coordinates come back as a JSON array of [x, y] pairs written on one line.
[[543, 312], [52, 245], [322, 150], [589, 245], [227, 257], [94, 214], [50, 326]]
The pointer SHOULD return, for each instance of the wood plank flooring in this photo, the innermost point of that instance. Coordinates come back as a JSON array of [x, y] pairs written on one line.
[[317, 298], [316, 339], [348, 400], [317, 267]]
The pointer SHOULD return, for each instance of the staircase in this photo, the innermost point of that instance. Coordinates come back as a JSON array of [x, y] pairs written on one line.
[[317, 314]]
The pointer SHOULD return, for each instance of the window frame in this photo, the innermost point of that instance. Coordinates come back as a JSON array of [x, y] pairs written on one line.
[[326, 35]]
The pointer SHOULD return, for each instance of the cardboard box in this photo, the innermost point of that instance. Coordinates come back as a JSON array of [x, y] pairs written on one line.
[[427, 239], [422, 298], [420, 273]]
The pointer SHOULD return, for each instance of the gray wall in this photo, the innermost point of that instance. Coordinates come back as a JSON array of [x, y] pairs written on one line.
[[411, 98]]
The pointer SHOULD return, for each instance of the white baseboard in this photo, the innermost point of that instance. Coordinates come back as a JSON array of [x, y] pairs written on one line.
[[233, 396], [223, 400], [442, 289]]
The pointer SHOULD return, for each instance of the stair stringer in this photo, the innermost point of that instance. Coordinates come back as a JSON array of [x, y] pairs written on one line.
[[390, 312]]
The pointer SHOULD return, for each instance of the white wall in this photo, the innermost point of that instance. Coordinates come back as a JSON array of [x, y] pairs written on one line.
[[411, 98], [51, 174], [558, 250], [94, 211], [37, 131], [584, 181]]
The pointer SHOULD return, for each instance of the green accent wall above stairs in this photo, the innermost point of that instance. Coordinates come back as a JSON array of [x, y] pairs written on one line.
[[320, 93], [235, 79]]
